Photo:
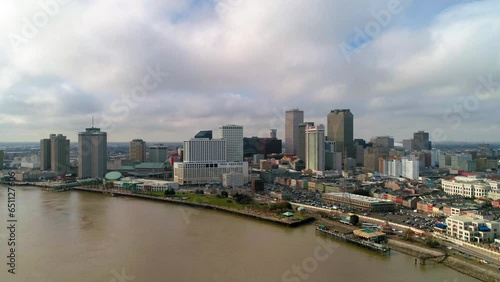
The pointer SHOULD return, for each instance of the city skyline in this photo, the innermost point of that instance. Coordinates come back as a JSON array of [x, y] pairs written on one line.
[[208, 63]]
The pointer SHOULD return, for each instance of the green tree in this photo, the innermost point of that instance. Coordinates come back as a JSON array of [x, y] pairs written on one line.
[[169, 192], [354, 220], [224, 194], [361, 192]]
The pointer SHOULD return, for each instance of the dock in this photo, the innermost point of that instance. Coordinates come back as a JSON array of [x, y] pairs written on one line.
[[350, 239]]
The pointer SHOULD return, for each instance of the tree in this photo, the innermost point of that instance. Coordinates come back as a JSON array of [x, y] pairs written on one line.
[[354, 220], [432, 243], [224, 194], [169, 192], [280, 207], [408, 235], [243, 199], [109, 184]]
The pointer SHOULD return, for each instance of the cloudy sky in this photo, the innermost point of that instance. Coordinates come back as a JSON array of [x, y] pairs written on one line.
[[163, 70]]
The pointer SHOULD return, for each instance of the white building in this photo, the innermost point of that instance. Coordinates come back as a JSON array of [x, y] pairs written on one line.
[[472, 230], [147, 184], [315, 148], [205, 150], [410, 167], [233, 134], [209, 172], [466, 186], [407, 167]]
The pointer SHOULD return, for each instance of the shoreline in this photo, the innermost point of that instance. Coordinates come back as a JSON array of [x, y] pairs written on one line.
[[465, 267], [247, 213]]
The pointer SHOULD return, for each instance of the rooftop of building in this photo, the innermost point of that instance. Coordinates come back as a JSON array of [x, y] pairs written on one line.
[[150, 166], [357, 197]]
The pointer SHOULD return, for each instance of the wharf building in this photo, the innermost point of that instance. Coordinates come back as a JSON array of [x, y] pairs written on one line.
[[92, 153]]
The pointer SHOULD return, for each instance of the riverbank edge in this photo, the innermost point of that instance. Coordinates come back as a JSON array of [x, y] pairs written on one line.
[[461, 266], [207, 206]]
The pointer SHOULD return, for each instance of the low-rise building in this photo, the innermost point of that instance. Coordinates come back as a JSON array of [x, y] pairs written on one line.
[[207, 172], [358, 201], [466, 187], [472, 230]]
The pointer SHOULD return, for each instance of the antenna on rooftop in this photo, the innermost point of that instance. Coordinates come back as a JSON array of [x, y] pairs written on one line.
[[92, 121]]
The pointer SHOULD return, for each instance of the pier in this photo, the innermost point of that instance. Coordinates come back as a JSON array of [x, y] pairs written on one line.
[[350, 239]]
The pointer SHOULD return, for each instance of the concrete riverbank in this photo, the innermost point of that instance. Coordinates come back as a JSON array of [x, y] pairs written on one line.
[[481, 272]]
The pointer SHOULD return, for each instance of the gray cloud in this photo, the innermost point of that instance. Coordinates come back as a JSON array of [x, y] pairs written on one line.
[[246, 64]]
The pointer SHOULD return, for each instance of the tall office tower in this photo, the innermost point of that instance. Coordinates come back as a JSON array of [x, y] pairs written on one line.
[[205, 150], [158, 153], [1, 159], [301, 144], [315, 148], [137, 150], [233, 134], [204, 134], [421, 141], [293, 118], [409, 145], [272, 134], [45, 154], [340, 124], [383, 141], [92, 153], [59, 154]]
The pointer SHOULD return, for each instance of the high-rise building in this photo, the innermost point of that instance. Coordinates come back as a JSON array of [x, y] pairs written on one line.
[[233, 134], [421, 141], [340, 128], [92, 153], [273, 134], [204, 134], [205, 150], [383, 141], [315, 148], [45, 154], [265, 146], [158, 153], [408, 145], [1, 159], [59, 154], [301, 145], [137, 150], [293, 118]]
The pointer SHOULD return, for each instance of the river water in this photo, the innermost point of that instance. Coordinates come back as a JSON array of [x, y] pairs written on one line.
[[80, 236]]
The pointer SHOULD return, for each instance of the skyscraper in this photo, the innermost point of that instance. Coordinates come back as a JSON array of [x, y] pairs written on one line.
[[1, 159], [59, 154], [293, 118], [45, 154], [137, 150], [421, 141], [205, 150], [315, 148], [301, 144], [92, 153], [233, 134], [340, 124], [158, 153]]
